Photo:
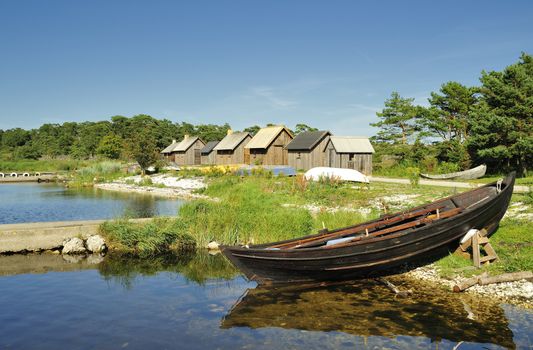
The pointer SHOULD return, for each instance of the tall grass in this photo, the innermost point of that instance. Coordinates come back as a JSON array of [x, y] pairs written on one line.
[[98, 172], [246, 214], [154, 237]]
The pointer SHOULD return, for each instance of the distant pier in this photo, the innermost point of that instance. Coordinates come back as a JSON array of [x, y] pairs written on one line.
[[11, 177]]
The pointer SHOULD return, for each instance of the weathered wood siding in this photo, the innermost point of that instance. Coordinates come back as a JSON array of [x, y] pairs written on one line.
[[275, 154], [309, 159], [361, 162], [232, 157], [192, 156], [209, 159]]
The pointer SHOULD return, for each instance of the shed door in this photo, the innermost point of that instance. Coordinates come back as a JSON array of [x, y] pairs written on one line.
[[246, 156], [331, 154], [278, 155], [197, 157]]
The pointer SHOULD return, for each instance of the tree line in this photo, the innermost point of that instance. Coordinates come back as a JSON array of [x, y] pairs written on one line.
[[466, 125], [141, 136]]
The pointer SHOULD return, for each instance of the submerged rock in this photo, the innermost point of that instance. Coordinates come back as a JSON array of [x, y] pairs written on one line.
[[73, 246], [95, 244]]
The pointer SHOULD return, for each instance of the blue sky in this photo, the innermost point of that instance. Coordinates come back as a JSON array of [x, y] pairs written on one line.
[[329, 64]]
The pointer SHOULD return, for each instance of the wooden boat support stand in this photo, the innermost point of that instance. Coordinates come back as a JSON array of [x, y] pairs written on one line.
[[380, 246]]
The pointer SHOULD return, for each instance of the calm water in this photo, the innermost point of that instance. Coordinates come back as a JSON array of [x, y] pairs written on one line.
[[200, 302], [31, 202]]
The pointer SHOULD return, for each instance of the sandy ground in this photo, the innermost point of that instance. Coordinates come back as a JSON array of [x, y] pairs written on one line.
[[163, 185]]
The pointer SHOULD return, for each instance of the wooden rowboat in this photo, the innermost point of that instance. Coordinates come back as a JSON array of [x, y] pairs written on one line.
[[377, 246], [469, 174]]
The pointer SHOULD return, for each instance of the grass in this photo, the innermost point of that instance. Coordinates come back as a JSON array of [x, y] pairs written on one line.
[[513, 242], [44, 165], [144, 239], [103, 171], [260, 208]]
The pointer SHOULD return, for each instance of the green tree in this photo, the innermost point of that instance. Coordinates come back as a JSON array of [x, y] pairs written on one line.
[[450, 111], [252, 129], [15, 137], [143, 148], [299, 128], [110, 146], [502, 123], [397, 122]]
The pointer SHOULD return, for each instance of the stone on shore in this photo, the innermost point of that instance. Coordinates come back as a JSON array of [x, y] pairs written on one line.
[[95, 244], [212, 245], [73, 246]]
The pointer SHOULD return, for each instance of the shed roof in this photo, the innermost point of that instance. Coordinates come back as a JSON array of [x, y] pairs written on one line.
[[170, 148], [308, 140], [231, 141], [352, 144], [186, 143], [208, 148], [266, 136]]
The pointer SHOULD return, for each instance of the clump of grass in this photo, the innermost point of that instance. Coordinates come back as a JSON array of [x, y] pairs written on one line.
[[414, 175], [146, 181], [154, 237], [98, 172], [245, 215]]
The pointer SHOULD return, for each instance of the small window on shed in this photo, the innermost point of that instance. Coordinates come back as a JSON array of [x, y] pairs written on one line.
[[299, 155], [352, 155]]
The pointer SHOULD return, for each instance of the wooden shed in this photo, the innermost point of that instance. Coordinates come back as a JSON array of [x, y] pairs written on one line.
[[351, 152], [188, 151], [167, 152], [267, 147], [306, 150], [231, 149], [208, 154]]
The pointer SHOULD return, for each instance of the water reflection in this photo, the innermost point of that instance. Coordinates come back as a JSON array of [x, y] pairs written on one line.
[[195, 267], [368, 309], [199, 301], [29, 202]]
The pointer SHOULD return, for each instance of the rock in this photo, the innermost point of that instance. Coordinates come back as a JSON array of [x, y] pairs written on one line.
[[95, 244], [212, 245], [73, 246]]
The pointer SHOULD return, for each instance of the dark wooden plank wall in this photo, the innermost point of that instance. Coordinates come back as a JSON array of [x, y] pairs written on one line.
[[309, 159]]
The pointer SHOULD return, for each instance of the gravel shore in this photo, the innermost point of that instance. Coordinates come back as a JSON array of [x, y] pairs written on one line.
[[163, 185]]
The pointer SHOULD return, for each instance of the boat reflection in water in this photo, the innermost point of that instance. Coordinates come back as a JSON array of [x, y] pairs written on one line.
[[369, 310]]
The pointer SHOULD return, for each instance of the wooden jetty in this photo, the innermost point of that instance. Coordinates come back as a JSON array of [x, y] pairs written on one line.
[[27, 176]]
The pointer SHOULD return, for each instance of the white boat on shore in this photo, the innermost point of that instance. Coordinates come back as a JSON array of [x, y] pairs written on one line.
[[469, 174], [315, 174]]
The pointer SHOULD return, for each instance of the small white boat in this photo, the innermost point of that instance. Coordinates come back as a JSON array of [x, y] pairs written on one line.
[[469, 174], [315, 174]]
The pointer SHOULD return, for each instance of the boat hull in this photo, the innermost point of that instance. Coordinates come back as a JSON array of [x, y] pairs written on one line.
[[470, 174], [370, 257]]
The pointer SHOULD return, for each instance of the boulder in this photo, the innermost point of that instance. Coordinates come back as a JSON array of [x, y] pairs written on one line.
[[212, 245], [73, 246], [95, 244]]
